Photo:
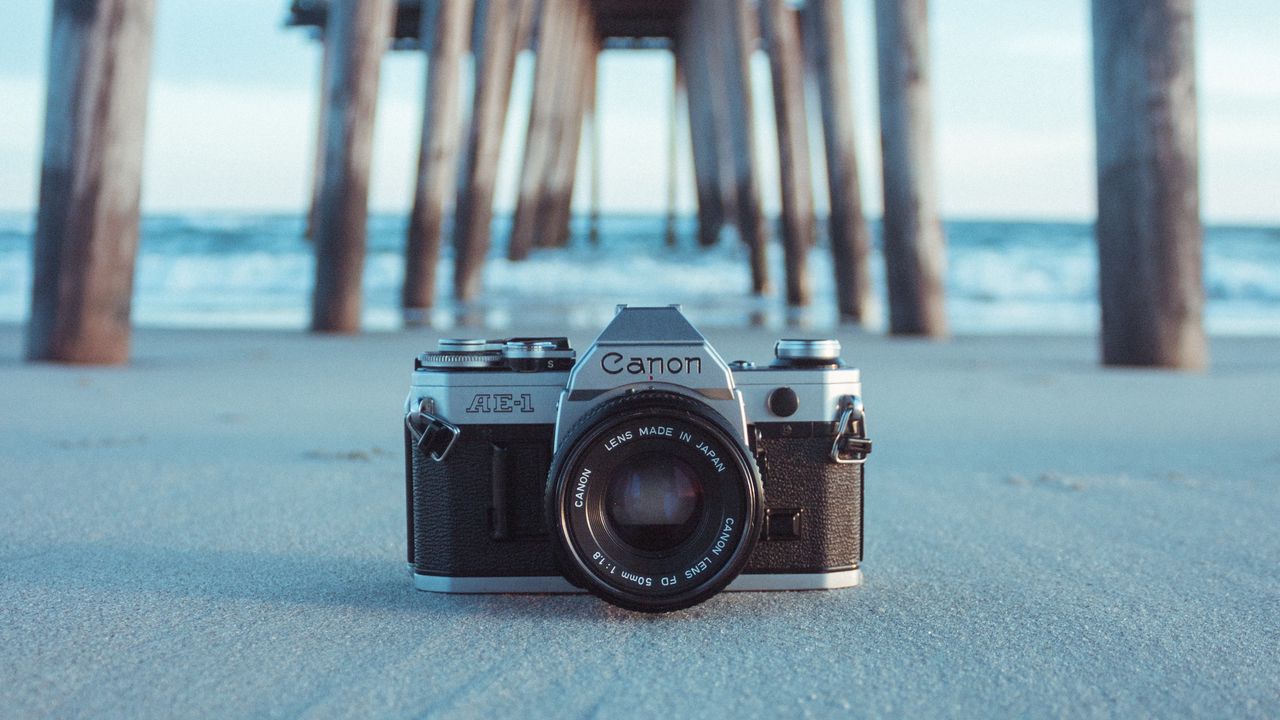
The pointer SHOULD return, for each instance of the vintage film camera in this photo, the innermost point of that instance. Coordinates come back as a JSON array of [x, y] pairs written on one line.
[[649, 472]]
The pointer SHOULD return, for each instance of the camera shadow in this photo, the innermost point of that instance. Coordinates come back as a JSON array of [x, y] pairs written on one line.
[[373, 583]]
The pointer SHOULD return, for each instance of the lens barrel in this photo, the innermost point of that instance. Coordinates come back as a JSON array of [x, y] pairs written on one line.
[[654, 502]]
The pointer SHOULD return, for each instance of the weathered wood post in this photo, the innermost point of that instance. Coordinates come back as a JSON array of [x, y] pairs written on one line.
[[359, 31], [446, 28], [317, 163], [86, 236], [505, 24], [555, 127], [724, 113], [786, 64], [1149, 230], [742, 30], [593, 116], [846, 224], [914, 246], [673, 141], [550, 75], [581, 74], [692, 56]]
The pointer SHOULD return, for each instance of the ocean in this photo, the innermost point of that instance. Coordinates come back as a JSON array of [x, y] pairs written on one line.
[[242, 270]]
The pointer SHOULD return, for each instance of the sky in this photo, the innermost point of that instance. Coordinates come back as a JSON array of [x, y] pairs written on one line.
[[231, 121]]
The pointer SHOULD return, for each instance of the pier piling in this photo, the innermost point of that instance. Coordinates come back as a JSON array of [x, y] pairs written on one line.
[[673, 142], [693, 55], [580, 85], [448, 24], [554, 28], [86, 236], [505, 25], [786, 65], [593, 117], [1149, 229], [585, 51], [914, 245], [359, 31], [317, 164], [724, 111], [847, 230], [741, 32]]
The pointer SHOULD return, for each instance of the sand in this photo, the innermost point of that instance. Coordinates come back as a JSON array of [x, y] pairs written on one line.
[[217, 530]]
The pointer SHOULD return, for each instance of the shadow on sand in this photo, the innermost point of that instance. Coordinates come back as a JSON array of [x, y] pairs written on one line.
[[376, 584]]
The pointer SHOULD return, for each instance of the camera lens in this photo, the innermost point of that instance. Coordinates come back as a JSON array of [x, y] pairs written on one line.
[[654, 502]]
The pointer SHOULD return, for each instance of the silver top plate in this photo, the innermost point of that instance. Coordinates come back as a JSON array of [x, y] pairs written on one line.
[[643, 348]]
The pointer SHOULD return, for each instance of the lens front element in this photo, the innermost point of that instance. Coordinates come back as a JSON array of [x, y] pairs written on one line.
[[655, 503]]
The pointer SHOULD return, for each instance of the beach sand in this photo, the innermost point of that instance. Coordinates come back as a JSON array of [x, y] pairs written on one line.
[[218, 530]]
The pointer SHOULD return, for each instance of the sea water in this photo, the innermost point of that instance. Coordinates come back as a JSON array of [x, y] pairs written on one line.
[[253, 270]]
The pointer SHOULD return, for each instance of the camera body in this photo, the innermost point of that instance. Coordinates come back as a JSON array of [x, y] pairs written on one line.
[[649, 471]]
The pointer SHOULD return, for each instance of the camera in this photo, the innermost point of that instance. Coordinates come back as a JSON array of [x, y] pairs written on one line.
[[649, 471]]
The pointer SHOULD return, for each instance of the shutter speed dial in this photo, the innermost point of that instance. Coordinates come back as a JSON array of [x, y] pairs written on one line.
[[519, 354], [801, 352]]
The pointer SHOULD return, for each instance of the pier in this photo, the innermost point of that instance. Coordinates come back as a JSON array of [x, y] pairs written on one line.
[[1148, 231]]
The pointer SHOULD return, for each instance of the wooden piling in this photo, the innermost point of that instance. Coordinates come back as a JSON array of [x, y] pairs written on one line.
[[448, 25], [359, 31], [786, 65], [581, 89], [673, 130], [1149, 230], [725, 113], [317, 164], [914, 245], [86, 235], [543, 215], [505, 25], [692, 55], [741, 32], [554, 28], [593, 117], [850, 238]]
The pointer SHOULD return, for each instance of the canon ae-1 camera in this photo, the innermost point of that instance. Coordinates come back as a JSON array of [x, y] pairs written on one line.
[[649, 471]]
